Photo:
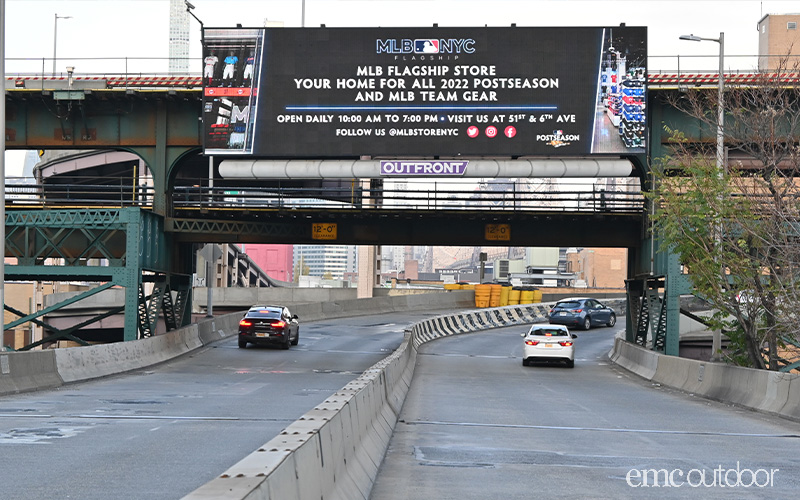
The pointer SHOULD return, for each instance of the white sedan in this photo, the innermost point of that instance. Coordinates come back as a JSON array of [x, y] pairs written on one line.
[[549, 342]]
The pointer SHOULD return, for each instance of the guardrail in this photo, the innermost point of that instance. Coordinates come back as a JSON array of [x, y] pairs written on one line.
[[416, 197], [120, 194]]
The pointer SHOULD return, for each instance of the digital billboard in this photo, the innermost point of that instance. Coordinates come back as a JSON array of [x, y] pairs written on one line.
[[443, 92]]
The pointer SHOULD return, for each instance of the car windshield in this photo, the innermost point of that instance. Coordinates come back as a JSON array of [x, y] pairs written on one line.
[[549, 332], [569, 305]]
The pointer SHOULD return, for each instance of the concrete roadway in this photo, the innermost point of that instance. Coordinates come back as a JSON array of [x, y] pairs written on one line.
[[476, 424], [160, 433]]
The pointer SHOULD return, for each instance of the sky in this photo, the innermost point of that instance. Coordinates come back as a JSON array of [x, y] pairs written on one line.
[[140, 29]]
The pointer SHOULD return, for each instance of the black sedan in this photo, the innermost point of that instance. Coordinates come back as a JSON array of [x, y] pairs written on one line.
[[269, 325], [583, 312]]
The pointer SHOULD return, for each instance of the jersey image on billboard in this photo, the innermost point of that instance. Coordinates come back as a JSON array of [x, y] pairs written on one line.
[[231, 66], [447, 92]]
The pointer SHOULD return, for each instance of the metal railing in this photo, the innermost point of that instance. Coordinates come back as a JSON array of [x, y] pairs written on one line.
[[120, 192], [519, 195]]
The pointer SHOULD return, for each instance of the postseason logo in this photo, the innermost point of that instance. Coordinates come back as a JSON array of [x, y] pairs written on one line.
[[558, 138]]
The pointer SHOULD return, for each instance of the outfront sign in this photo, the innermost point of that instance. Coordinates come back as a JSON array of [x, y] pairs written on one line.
[[424, 168], [435, 92]]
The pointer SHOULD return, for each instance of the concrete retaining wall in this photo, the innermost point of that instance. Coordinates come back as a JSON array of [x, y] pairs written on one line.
[[771, 392], [334, 451]]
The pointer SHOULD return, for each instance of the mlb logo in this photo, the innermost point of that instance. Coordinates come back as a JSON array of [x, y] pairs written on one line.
[[558, 132], [426, 46]]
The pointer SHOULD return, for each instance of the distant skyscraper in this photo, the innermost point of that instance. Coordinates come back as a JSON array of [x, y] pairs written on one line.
[[31, 159], [178, 37], [323, 259]]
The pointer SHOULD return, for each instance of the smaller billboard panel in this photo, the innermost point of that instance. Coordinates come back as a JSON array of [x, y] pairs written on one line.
[[231, 71]]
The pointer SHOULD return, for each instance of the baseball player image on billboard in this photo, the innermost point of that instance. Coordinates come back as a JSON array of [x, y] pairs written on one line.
[[231, 71]]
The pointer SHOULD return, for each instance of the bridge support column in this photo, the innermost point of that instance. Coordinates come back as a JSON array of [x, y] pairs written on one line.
[[369, 270], [653, 311], [677, 283]]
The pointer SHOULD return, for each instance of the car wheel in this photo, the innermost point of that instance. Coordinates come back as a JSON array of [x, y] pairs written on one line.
[[612, 320], [288, 342], [570, 363], [587, 323], [524, 362], [242, 344], [296, 338]]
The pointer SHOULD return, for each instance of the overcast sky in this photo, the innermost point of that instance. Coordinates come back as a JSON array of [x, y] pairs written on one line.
[[140, 28]]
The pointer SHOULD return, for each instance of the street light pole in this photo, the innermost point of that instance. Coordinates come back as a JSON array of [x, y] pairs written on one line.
[[716, 339], [720, 103], [55, 38]]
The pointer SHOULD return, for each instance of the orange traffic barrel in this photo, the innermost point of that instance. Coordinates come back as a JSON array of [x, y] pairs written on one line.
[[494, 296], [482, 293]]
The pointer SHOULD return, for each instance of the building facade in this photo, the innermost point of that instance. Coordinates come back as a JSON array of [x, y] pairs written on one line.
[[779, 37], [326, 260], [178, 37], [275, 260]]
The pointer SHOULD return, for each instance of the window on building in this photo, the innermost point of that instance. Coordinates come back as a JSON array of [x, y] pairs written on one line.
[[791, 25]]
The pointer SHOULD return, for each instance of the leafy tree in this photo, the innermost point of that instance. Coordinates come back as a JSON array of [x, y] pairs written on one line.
[[737, 232]]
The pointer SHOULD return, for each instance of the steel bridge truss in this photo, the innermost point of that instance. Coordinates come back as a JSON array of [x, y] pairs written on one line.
[[125, 248]]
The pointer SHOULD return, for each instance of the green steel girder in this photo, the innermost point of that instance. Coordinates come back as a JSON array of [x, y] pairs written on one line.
[[160, 126], [204, 228], [80, 235], [55, 307], [128, 242], [148, 308], [160, 302], [101, 119], [59, 334], [647, 313], [170, 308]]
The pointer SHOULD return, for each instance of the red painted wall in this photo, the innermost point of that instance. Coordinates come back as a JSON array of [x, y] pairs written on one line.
[[275, 260]]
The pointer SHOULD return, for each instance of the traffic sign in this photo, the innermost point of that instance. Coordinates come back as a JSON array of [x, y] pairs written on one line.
[[498, 232], [323, 230]]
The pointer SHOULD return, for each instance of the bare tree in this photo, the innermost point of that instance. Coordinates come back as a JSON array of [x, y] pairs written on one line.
[[738, 231]]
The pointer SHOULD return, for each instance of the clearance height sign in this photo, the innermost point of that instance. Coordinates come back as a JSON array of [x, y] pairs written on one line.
[[347, 92]]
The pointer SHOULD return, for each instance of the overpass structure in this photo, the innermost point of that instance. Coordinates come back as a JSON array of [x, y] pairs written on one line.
[[143, 226]]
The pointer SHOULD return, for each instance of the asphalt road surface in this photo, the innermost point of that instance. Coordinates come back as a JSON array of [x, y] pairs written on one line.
[[476, 424], [162, 432]]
